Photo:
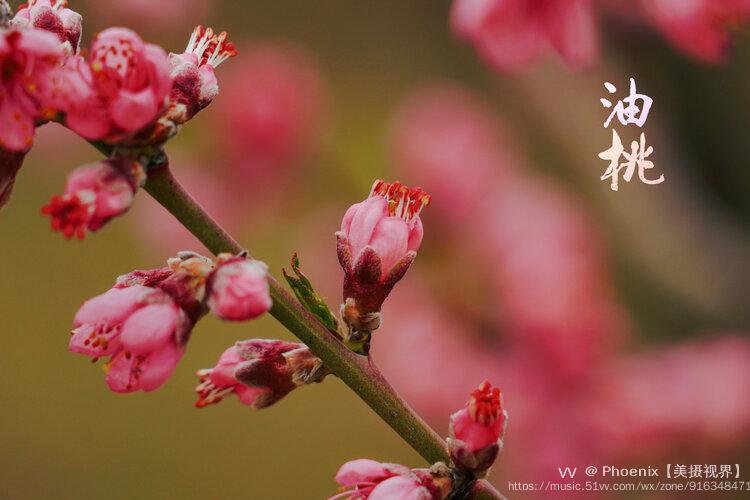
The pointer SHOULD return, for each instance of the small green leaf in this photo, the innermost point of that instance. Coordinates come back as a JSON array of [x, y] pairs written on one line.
[[308, 297]]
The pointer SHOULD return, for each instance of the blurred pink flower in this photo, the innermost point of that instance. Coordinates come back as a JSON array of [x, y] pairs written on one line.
[[437, 134], [260, 372], [700, 28], [696, 393], [174, 14], [156, 227], [120, 89], [93, 195], [271, 111], [510, 34], [237, 289], [52, 16], [30, 63]]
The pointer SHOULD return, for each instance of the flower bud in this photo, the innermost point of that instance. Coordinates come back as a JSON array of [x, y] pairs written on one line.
[[378, 241], [260, 372], [238, 288], [194, 84], [52, 16], [93, 195], [477, 431]]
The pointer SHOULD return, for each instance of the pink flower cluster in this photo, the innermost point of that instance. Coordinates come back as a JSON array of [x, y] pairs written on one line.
[[476, 437], [509, 34], [144, 322]]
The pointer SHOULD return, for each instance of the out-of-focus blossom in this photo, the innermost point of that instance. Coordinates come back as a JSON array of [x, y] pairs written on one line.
[[438, 133], [476, 431], [378, 241], [238, 288], [143, 323], [194, 84], [93, 195], [174, 14], [367, 479], [52, 16], [30, 61], [692, 393], [121, 88], [260, 372], [154, 225], [509, 34], [271, 111], [536, 238], [700, 28]]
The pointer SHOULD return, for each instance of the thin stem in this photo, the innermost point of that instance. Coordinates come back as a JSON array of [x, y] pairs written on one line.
[[358, 372]]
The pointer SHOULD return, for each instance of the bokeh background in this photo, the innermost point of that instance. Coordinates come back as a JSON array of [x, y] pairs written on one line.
[[616, 322]]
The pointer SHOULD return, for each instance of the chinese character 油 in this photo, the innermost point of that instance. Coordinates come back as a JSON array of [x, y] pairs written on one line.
[[627, 110]]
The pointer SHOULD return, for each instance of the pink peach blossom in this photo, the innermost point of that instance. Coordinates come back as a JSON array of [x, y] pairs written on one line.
[[377, 243], [30, 61], [700, 28], [52, 16], [139, 328], [93, 195], [194, 84], [120, 89], [367, 479], [509, 34], [238, 289], [260, 372]]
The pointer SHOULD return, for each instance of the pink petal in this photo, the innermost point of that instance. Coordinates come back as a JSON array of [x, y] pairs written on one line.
[[119, 376], [573, 32], [390, 239], [346, 222], [366, 217], [111, 307], [149, 328], [415, 235], [401, 488], [132, 111], [360, 471], [17, 131], [159, 366]]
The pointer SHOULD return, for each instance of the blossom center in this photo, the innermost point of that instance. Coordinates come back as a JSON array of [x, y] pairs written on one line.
[[403, 202], [484, 404], [209, 47], [70, 214]]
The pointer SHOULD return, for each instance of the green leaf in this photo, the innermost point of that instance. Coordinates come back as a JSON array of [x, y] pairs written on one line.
[[308, 297]]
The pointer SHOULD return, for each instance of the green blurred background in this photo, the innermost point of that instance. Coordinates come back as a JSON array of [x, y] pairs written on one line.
[[64, 435]]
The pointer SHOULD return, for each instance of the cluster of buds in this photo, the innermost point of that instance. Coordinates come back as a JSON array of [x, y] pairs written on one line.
[[477, 431], [144, 322], [377, 243], [260, 372], [476, 438], [93, 195]]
